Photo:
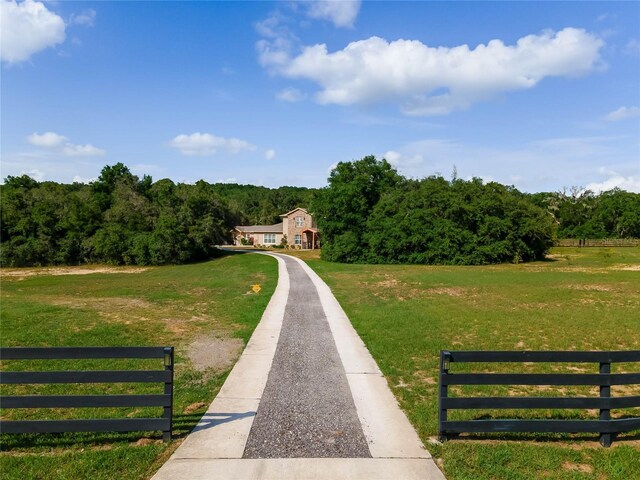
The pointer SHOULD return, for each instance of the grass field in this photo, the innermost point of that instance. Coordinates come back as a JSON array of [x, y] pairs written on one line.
[[581, 299], [206, 310]]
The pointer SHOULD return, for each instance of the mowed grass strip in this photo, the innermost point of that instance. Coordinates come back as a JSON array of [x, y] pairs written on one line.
[[206, 310], [580, 299]]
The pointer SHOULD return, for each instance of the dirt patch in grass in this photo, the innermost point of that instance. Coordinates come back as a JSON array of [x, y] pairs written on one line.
[[107, 304], [119, 309], [625, 390], [451, 291], [536, 267], [425, 377], [591, 287], [214, 353], [146, 441], [193, 407], [577, 467], [30, 272], [391, 287], [576, 442], [390, 283], [632, 268]]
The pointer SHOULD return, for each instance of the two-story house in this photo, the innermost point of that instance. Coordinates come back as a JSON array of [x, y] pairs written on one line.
[[298, 226]]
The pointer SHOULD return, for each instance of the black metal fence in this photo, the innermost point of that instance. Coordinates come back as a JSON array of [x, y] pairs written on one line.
[[164, 400], [605, 425]]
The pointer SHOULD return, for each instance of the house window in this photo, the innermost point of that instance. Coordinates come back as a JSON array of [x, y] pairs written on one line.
[[269, 238], [299, 221], [298, 239]]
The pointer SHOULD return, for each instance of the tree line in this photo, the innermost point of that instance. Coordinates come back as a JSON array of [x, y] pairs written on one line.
[[371, 214], [581, 213], [367, 213], [126, 220]]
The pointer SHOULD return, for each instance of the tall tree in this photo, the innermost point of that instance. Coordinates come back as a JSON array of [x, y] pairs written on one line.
[[343, 208]]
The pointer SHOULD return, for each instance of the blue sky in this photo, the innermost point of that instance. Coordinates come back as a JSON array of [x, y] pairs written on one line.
[[540, 95]]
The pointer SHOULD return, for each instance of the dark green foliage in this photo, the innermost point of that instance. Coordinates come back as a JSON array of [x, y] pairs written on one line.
[[342, 209], [370, 214], [121, 219], [118, 219], [582, 214], [253, 205]]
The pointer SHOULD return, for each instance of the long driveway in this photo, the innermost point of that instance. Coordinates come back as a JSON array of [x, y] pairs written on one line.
[[305, 401], [306, 409]]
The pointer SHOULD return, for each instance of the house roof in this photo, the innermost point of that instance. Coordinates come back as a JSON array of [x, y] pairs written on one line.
[[294, 210], [277, 228]]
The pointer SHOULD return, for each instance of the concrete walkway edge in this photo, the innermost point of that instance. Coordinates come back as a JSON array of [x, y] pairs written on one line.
[[386, 427], [224, 428], [215, 447]]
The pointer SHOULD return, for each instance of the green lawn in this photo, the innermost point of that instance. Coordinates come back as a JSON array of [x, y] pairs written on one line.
[[175, 305], [581, 299]]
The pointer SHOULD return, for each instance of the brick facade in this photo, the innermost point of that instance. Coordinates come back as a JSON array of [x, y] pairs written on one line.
[[298, 222], [298, 226]]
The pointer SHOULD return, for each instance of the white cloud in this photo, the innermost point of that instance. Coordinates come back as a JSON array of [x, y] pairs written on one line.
[[270, 154], [73, 150], [606, 16], [291, 94], [27, 28], [622, 114], [397, 159], [631, 184], [207, 144], [341, 12], [227, 180], [279, 40], [46, 140], [86, 18], [152, 169], [431, 81], [59, 143], [541, 165], [79, 179], [34, 173], [632, 47]]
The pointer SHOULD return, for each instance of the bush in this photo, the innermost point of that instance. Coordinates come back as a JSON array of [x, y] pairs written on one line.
[[428, 221]]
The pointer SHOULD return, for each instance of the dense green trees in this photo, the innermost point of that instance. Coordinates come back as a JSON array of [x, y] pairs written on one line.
[[256, 205], [114, 220], [342, 209], [122, 219], [582, 214], [368, 213], [434, 221]]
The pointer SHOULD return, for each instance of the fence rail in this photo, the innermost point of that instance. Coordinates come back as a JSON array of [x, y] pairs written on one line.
[[605, 425], [598, 242], [164, 400]]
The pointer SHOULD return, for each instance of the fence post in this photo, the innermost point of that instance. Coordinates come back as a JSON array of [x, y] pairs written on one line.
[[168, 390], [445, 357], [605, 413]]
